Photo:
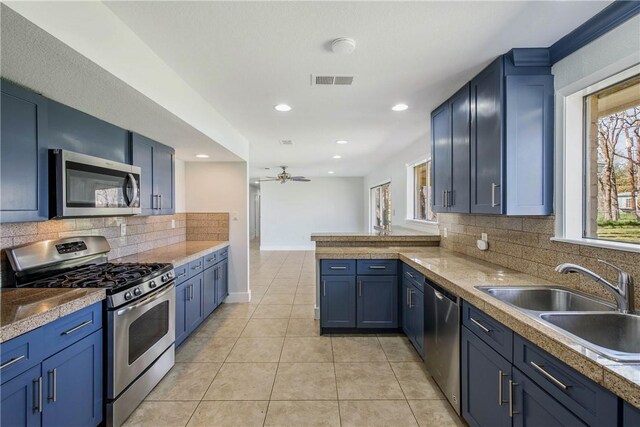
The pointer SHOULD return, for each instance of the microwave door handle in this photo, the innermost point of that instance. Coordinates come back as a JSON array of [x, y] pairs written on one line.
[[134, 189]]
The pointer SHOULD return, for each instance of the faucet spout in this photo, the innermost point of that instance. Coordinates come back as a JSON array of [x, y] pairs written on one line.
[[622, 292]]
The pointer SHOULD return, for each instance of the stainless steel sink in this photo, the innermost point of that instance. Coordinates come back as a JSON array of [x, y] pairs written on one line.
[[544, 299], [614, 335]]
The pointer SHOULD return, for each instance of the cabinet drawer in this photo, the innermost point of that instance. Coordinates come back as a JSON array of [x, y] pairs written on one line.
[[181, 273], [494, 333], [412, 275], [388, 267], [21, 353], [223, 253], [195, 267], [210, 259], [71, 328], [335, 267], [579, 394]]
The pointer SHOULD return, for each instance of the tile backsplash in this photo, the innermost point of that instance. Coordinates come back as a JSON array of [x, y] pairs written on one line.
[[524, 244], [143, 233]]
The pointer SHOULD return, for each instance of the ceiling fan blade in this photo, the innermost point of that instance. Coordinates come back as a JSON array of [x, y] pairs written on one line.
[[297, 177], [269, 179], [300, 179]]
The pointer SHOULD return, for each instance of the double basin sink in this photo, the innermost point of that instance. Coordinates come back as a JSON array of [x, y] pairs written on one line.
[[592, 322]]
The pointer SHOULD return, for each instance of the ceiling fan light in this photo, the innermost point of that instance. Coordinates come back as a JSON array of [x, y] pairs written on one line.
[[283, 108]]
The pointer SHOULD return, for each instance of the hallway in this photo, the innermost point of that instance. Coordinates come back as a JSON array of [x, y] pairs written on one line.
[[263, 363]]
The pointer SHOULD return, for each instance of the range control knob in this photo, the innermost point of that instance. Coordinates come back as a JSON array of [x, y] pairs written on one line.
[[164, 278], [128, 296], [152, 284], [137, 292], [170, 275]]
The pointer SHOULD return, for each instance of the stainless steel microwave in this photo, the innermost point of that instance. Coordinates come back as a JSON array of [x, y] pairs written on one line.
[[82, 186]]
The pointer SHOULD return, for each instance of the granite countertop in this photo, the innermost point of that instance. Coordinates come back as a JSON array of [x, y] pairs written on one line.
[[399, 235], [177, 254], [25, 309], [460, 274]]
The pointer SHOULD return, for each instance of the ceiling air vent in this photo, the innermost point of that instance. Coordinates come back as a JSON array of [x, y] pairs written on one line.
[[286, 142], [318, 80]]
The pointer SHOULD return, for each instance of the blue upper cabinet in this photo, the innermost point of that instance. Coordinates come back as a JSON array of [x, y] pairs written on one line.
[[157, 187], [73, 130], [441, 156], [23, 155]]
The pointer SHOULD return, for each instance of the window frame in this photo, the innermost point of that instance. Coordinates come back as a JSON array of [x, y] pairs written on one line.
[[571, 179], [372, 200], [411, 202]]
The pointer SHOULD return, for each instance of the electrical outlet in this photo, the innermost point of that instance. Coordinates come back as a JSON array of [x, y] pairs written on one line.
[[484, 237], [173, 223], [123, 230], [234, 216], [444, 232]]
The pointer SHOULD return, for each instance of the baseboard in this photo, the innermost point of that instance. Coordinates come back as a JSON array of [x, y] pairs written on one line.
[[288, 248], [235, 297]]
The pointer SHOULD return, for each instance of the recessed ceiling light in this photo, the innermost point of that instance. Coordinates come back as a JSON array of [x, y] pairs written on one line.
[[282, 107], [202, 156], [331, 172], [337, 156], [257, 182], [399, 107], [342, 141]]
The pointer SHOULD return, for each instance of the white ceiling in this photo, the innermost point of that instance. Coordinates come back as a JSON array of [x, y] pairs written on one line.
[[245, 57]]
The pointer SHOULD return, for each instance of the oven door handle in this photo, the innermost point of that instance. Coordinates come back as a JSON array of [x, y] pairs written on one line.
[[145, 301], [134, 189]]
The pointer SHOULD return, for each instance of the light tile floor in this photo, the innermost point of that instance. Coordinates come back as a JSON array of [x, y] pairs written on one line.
[[264, 364]]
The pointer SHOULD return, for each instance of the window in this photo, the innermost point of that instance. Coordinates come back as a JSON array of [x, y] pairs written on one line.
[[419, 196], [612, 162], [381, 206]]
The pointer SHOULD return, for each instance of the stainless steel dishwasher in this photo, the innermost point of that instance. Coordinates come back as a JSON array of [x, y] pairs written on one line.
[[442, 340]]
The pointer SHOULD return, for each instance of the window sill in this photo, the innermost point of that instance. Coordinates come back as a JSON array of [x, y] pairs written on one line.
[[617, 246], [422, 221]]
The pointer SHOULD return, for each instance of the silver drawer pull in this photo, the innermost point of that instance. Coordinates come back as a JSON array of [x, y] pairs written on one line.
[[338, 268], [409, 274], [211, 259], [81, 325], [181, 275], [480, 325], [12, 361], [377, 267], [196, 267], [549, 376]]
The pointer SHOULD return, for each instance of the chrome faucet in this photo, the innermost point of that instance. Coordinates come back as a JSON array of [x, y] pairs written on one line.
[[622, 292]]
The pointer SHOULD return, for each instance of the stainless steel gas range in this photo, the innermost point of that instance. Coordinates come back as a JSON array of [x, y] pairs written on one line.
[[139, 310]]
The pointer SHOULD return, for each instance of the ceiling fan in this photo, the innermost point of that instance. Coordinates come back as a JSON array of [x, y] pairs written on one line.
[[284, 177]]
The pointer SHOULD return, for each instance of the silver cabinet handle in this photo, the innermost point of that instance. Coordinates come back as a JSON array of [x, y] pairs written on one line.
[[511, 386], [324, 288], [12, 361], [500, 376], [452, 199], [410, 298], [549, 376], [447, 193], [160, 201], [410, 275], [154, 201], [480, 325], [493, 194], [377, 267], [359, 288], [407, 297], [337, 268], [211, 259], [196, 267], [38, 398], [81, 325], [444, 198], [181, 275], [438, 295], [55, 385], [191, 292]]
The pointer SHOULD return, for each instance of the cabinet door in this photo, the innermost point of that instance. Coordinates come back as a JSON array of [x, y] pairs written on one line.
[[73, 384], [407, 318], [182, 298], [630, 415], [194, 305], [338, 302], [529, 145], [20, 399], [441, 157], [222, 282], [487, 140], [460, 152], [142, 149], [416, 304], [209, 293], [377, 302], [485, 379], [23, 155], [532, 407], [163, 181]]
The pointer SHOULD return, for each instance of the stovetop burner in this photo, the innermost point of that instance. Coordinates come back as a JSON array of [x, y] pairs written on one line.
[[111, 277]]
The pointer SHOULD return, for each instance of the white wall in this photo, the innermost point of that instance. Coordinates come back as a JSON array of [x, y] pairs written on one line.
[[181, 202], [224, 187], [290, 212], [395, 170], [254, 227]]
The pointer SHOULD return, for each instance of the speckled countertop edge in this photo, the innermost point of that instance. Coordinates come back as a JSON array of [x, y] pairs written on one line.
[[364, 237], [177, 254], [22, 326], [461, 277]]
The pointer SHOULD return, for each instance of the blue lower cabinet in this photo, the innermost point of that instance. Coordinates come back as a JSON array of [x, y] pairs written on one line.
[[412, 306], [485, 379], [377, 303], [338, 302], [533, 407], [630, 415], [209, 300], [20, 400], [193, 307], [72, 390], [222, 281], [182, 296]]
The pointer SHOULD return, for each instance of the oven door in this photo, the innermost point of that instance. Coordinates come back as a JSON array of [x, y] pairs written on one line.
[[138, 334], [90, 186]]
